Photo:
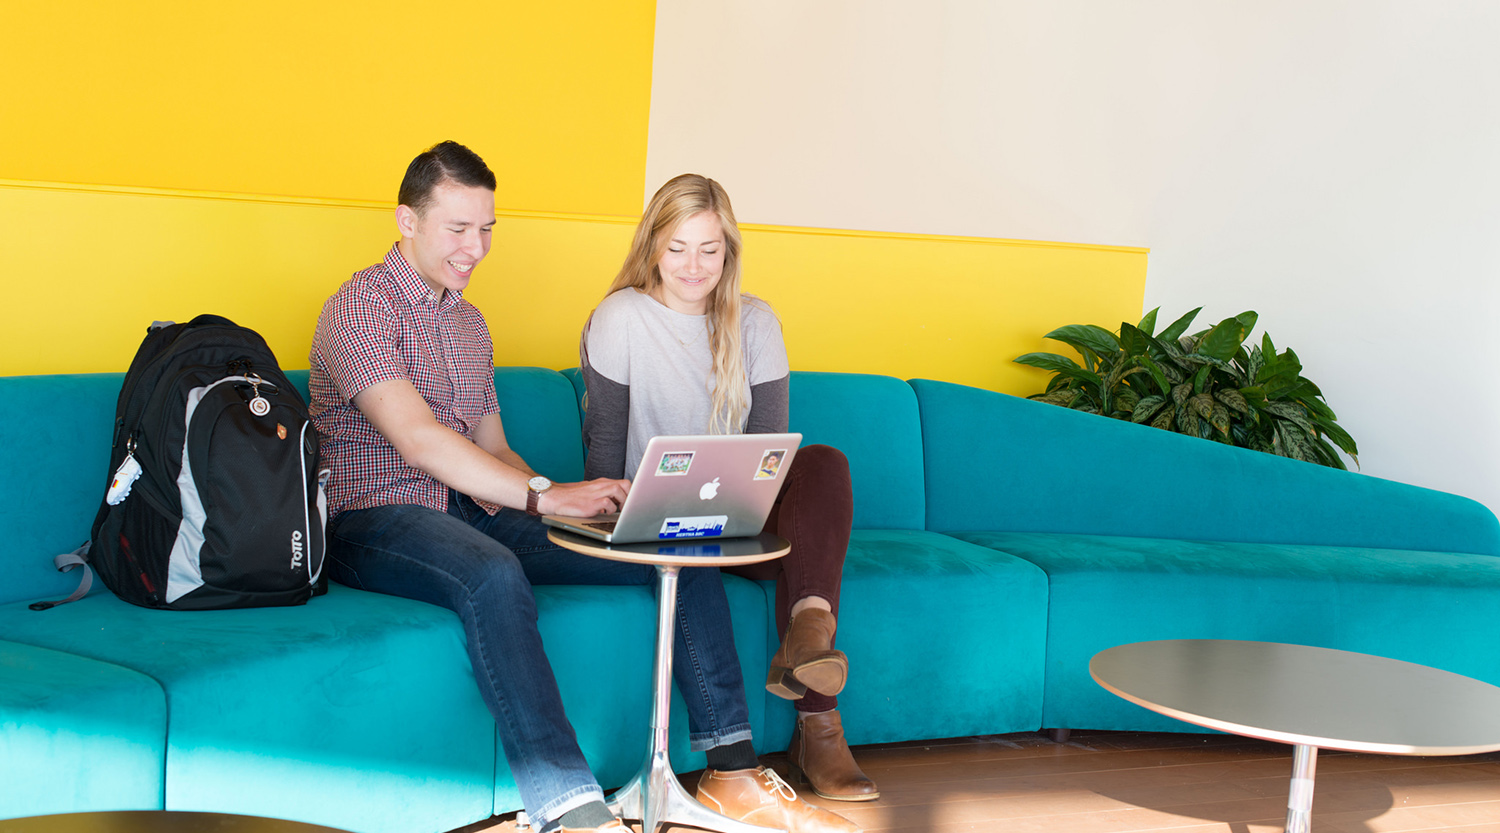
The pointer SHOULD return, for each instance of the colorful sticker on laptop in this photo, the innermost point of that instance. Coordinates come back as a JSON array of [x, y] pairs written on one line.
[[770, 464], [674, 464], [702, 526]]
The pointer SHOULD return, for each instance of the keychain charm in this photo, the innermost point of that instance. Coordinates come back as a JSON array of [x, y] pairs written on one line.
[[125, 477], [258, 404]]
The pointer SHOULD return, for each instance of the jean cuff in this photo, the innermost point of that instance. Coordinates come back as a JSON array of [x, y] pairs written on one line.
[[572, 799], [706, 741]]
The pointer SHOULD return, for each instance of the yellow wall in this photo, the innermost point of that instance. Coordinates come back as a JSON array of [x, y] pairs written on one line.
[[330, 99], [192, 158]]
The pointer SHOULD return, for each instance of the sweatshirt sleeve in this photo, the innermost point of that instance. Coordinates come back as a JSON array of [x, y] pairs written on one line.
[[606, 421], [769, 407]]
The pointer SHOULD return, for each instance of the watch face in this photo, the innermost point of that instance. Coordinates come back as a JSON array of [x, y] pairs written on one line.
[[539, 484]]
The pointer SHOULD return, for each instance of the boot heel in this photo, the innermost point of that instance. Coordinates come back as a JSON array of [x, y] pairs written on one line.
[[798, 776], [780, 682]]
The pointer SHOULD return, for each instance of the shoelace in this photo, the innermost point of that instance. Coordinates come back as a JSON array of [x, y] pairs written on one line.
[[776, 785]]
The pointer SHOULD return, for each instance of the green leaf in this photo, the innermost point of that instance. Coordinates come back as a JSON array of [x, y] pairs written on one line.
[[1178, 327], [1087, 338], [1148, 323], [1061, 365], [1164, 419], [1293, 443], [1047, 361], [1291, 411], [1181, 393], [1219, 419], [1133, 341], [1233, 399], [1120, 372], [1163, 384], [1146, 407], [1202, 405], [1201, 378], [1063, 398], [1340, 438], [1224, 340], [1328, 456], [1253, 366]]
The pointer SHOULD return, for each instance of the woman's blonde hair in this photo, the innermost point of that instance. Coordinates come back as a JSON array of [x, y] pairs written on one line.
[[682, 198]]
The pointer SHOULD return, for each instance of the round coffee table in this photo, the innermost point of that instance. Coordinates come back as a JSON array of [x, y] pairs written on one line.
[[156, 821], [1309, 697], [654, 795]]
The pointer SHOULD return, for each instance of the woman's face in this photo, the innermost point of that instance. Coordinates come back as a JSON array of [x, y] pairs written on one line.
[[692, 264]]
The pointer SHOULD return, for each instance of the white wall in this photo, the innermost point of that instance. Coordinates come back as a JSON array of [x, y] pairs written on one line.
[[1333, 165]]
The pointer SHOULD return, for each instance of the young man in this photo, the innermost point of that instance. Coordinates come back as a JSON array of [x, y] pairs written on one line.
[[429, 502]]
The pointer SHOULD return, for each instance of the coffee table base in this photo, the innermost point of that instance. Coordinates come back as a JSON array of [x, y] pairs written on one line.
[[1299, 800]]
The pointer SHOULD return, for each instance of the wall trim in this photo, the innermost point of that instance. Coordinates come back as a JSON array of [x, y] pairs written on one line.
[[373, 205]]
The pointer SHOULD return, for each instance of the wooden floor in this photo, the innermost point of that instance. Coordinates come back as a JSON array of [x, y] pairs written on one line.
[[1112, 782]]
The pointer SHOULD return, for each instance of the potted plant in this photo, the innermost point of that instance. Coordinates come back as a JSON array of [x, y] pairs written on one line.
[[1206, 385]]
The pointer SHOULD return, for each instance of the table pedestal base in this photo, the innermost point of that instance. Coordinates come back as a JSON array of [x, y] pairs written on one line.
[[1299, 800], [654, 795]]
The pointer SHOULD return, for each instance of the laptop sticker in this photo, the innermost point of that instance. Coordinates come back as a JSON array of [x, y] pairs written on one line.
[[674, 464], [695, 550], [770, 464], [694, 527]]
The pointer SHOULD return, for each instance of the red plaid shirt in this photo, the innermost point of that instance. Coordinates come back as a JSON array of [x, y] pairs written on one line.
[[384, 323]]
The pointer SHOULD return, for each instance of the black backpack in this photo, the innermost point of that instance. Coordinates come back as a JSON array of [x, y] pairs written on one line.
[[216, 495]]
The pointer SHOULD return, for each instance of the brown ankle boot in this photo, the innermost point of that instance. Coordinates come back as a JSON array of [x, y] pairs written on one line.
[[807, 659], [820, 757]]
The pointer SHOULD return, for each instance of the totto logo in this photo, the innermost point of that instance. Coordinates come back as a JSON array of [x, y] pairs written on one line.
[[709, 490], [296, 548]]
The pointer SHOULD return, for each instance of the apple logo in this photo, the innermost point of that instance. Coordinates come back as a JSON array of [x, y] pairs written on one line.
[[709, 490]]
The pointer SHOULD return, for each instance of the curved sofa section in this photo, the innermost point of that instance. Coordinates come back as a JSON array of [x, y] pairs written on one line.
[[998, 544]]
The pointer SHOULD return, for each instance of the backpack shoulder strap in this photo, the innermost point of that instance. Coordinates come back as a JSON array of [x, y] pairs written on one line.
[[69, 561]]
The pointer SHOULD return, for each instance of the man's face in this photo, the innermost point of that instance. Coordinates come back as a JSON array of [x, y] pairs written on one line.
[[448, 240]]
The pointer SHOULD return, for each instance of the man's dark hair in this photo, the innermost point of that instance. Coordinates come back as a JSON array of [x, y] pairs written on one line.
[[443, 162]]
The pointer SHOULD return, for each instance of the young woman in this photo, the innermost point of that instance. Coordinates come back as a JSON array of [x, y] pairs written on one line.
[[674, 348]]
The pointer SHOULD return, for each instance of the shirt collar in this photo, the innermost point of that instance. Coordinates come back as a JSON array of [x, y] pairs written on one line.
[[411, 284]]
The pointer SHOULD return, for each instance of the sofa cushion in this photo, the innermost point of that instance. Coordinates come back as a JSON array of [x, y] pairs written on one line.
[[356, 711], [944, 639], [873, 420], [1004, 463], [1425, 607], [55, 464], [77, 735]]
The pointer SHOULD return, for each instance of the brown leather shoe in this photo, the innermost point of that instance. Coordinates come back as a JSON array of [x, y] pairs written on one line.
[[820, 757], [807, 659], [759, 796]]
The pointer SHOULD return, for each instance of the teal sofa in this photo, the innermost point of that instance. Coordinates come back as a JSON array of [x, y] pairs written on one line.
[[998, 543]]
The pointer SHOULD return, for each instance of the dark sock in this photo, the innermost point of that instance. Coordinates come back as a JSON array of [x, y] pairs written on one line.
[[738, 755], [589, 815]]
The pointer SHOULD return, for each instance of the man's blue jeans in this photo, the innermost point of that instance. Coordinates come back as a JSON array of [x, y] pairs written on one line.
[[482, 567]]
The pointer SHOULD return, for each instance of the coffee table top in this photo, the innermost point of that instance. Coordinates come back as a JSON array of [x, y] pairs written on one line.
[[1304, 695], [156, 821], [698, 552]]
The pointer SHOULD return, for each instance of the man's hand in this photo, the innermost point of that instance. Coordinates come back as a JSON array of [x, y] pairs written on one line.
[[584, 500]]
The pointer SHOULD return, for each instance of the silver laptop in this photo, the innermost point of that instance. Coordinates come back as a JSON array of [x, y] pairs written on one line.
[[709, 486]]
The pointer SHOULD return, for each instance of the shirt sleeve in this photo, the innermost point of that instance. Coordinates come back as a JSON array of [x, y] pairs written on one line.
[[605, 345], [769, 407], [765, 351], [606, 423], [356, 338]]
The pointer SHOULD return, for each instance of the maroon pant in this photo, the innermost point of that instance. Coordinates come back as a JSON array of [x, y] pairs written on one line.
[[814, 511]]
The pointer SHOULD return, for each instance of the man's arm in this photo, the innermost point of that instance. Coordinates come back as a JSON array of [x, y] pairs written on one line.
[[487, 468]]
